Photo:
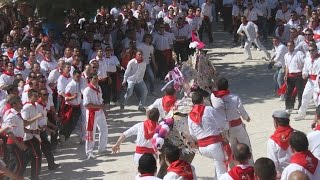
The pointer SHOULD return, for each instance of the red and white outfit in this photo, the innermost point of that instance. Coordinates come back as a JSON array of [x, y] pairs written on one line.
[[29, 111], [231, 107], [205, 125], [62, 83], [314, 143], [278, 149], [164, 105], [48, 65], [23, 71], [180, 169], [144, 131], [239, 172], [305, 162], [6, 78], [170, 20], [95, 118]]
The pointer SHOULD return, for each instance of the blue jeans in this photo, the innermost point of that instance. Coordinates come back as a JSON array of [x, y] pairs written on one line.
[[278, 79], [140, 90], [150, 77]]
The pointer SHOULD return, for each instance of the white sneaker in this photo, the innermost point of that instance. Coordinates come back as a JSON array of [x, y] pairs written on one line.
[[289, 111], [281, 98], [90, 156]]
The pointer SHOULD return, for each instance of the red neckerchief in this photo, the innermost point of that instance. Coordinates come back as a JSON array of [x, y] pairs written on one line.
[[149, 128], [8, 73], [10, 54], [146, 174], [197, 113], [308, 42], [170, 17], [139, 61], [46, 59], [305, 159], [317, 128], [237, 173], [182, 168], [221, 93], [41, 103], [94, 88], [19, 68], [66, 75], [168, 102], [190, 16], [281, 136]]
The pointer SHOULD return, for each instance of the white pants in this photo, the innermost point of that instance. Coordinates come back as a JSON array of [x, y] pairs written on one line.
[[215, 152], [247, 45], [100, 123], [308, 93], [81, 124], [239, 134]]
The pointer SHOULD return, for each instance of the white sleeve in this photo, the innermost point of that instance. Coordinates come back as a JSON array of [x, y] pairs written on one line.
[[242, 111], [86, 98], [2, 81], [271, 149], [219, 119], [25, 114], [154, 104], [132, 131], [43, 66], [60, 85]]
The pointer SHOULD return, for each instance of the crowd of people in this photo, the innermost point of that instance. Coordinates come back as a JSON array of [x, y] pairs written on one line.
[[55, 84]]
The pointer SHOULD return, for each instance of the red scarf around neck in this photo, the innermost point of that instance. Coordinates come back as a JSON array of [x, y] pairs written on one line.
[[94, 88], [221, 93], [182, 168], [237, 173], [66, 75], [139, 61], [149, 128], [10, 54], [281, 136], [305, 159], [197, 113], [168, 102], [8, 73], [20, 68]]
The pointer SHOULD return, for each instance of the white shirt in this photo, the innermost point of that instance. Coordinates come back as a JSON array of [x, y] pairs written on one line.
[[102, 71], [285, 36], [185, 30], [162, 41], [263, 8], [170, 20], [272, 3], [30, 111], [281, 50], [236, 11], [230, 106], [303, 47], [226, 175], [138, 129], [314, 143], [54, 76], [62, 83], [298, 39], [213, 123], [280, 157], [293, 24], [294, 61], [252, 15], [310, 68], [73, 88], [147, 51], [42, 109], [138, 177], [92, 96], [250, 29], [294, 167], [48, 66], [23, 71], [158, 104], [285, 16], [162, 14], [6, 79], [139, 35], [112, 63], [135, 71], [194, 21], [206, 10], [12, 117]]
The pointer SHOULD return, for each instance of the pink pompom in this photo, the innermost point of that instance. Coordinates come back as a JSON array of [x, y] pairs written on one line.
[[153, 141], [155, 135], [169, 121], [162, 123], [163, 133], [158, 128], [159, 142], [165, 127]]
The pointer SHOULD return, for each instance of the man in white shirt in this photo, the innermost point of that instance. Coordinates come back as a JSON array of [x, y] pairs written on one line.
[[7, 76], [147, 167], [283, 32], [278, 61], [62, 83], [310, 71], [237, 11], [294, 62], [278, 144], [134, 77], [48, 63], [302, 159], [205, 126], [284, 13], [207, 18], [295, 36], [294, 20], [313, 137], [249, 29]]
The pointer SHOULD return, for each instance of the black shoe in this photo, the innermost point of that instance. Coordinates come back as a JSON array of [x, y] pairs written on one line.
[[142, 109], [54, 166]]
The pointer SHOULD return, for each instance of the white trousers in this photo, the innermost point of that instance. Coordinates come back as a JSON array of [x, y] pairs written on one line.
[[100, 123], [215, 152], [308, 94], [239, 134], [81, 124], [247, 45]]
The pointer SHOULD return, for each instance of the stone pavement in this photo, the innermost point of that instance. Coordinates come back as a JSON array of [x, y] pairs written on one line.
[[251, 80]]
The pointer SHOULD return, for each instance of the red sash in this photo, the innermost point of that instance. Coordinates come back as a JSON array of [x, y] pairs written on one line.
[[197, 113], [11, 141], [234, 123], [281, 136], [7, 73], [92, 113], [149, 128], [67, 113], [182, 168], [305, 159], [313, 77], [168, 102], [221, 93], [237, 173], [142, 150], [209, 140]]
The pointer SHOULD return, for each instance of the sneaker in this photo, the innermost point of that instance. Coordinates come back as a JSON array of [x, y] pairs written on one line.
[[281, 98], [90, 156], [142, 109], [54, 167], [62, 139]]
